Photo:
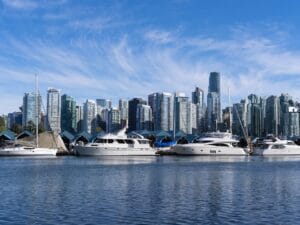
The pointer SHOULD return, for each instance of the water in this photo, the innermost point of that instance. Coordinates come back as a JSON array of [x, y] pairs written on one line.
[[151, 190]]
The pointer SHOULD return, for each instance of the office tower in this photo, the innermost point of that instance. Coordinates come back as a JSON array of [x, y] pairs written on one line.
[[113, 123], [272, 120], [123, 108], [214, 102], [293, 122], [104, 103], [68, 114], [254, 116], [239, 118], [162, 105], [182, 113], [144, 117], [53, 109], [29, 110], [79, 119], [89, 116], [198, 100], [285, 102], [132, 110]]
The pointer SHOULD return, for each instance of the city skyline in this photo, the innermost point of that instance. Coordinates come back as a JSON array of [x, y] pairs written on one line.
[[130, 49]]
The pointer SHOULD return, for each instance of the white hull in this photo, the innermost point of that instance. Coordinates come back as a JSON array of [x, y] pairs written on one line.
[[204, 150], [23, 151], [110, 151], [277, 152]]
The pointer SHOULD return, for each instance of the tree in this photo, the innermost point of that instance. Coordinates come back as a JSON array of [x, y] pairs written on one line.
[[17, 128], [2, 124]]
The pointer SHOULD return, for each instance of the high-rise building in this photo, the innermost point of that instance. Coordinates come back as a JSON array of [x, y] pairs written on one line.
[[239, 118], [123, 108], [182, 113], [285, 102], [272, 120], [104, 103], [89, 116], [29, 110], [162, 105], [198, 100], [79, 119], [144, 117], [254, 116], [53, 109], [113, 123], [68, 114], [132, 110], [293, 122], [13, 120], [214, 102]]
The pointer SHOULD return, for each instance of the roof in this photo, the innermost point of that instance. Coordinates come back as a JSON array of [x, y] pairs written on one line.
[[83, 134], [25, 133], [67, 135], [8, 134]]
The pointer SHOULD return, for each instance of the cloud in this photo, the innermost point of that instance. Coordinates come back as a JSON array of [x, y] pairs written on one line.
[[20, 4]]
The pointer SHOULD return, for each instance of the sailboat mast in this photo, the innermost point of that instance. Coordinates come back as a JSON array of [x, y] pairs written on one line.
[[229, 109], [36, 112], [174, 119]]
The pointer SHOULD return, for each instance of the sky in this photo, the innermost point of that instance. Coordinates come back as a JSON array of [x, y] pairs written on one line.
[[123, 49]]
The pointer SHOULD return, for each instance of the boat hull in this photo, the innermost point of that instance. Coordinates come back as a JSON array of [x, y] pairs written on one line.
[[98, 151], [28, 152], [211, 151], [277, 152]]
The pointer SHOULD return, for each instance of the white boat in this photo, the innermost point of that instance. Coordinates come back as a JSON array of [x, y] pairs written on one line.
[[27, 151], [117, 144], [219, 143], [17, 150], [272, 146]]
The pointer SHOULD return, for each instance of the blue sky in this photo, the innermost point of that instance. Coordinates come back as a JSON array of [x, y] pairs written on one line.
[[110, 49]]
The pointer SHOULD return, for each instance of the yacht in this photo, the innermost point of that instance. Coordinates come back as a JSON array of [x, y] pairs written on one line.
[[271, 146], [117, 144], [218, 143], [27, 151]]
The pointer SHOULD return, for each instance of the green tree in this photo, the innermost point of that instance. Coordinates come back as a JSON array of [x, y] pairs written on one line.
[[2, 124]]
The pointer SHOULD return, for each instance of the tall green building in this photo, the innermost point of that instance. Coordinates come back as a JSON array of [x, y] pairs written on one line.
[[68, 114]]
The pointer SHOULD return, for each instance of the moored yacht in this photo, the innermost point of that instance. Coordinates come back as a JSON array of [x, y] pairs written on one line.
[[271, 146], [116, 144], [27, 151], [218, 143]]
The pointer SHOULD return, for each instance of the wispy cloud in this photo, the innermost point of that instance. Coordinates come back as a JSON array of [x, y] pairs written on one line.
[[20, 4]]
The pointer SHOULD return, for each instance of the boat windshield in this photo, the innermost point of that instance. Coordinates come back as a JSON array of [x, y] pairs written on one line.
[[220, 144], [278, 147], [100, 140], [202, 141], [143, 141]]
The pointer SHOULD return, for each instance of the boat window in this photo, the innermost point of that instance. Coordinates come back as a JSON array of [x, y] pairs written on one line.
[[128, 141], [110, 141], [291, 143], [220, 144], [278, 146], [98, 140], [143, 141], [203, 141], [121, 141]]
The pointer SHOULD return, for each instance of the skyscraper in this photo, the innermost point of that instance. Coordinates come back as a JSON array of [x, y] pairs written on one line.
[[272, 120], [162, 105], [104, 103], [113, 121], [123, 108], [79, 119], [214, 102], [68, 114], [182, 113], [53, 109], [29, 109], [144, 117], [89, 116], [133, 103], [198, 100]]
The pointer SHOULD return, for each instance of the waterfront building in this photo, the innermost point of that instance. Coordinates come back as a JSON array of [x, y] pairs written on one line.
[[182, 113], [144, 117], [132, 110], [53, 109], [198, 100], [214, 102], [68, 114], [254, 116], [113, 120], [285, 102], [162, 105], [123, 108], [272, 119], [89, 116], [239, 118], [29, 110], [293, 122]]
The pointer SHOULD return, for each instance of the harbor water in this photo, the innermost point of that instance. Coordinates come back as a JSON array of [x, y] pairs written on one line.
[[150, 190]]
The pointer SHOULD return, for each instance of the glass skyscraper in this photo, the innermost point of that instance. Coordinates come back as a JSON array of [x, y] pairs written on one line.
[[53, 109], [68, 114]]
